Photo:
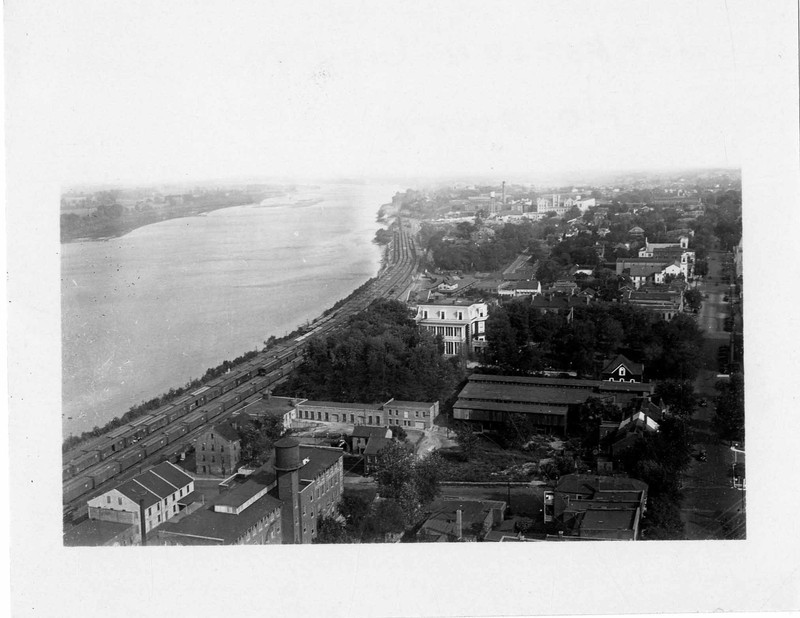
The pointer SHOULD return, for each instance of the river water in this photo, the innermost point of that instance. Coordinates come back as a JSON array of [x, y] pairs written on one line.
[[155, 308]]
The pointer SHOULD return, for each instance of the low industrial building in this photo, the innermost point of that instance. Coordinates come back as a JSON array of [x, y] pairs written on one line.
[[99, 533], [409, 414], [487, 400]]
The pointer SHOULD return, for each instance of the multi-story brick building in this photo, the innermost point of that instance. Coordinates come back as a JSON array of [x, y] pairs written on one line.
[[281, 502], [460, 323], [161, 493], [218, 450]]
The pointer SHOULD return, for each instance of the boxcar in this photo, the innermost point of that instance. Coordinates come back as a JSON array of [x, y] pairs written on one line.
[[80, 463], [77, 487], [155, 423], [130, 458], [182, 404], [106, 472], [66, 472], [154, 443], [106, 449], [172, 415], [173, 433], [246, 390], [122, 434], [195, 419], [228, 401], [213, 409]]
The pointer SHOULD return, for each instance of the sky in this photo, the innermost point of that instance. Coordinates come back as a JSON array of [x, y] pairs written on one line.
[[146, 91]]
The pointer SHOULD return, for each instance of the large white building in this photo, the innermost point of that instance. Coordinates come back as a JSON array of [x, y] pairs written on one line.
[[461, 324], [161, 493]]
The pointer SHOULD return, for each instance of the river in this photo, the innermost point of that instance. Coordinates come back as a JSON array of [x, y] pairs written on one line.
[[155, 308]]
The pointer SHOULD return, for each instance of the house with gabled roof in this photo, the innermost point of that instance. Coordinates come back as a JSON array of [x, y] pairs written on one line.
[[622, 369], [160, 493]]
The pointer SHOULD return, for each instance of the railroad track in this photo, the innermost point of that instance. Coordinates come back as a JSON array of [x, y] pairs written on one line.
[[96, 466]]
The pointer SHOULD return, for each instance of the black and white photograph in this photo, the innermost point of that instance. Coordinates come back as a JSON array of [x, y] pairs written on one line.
[[402, 282]]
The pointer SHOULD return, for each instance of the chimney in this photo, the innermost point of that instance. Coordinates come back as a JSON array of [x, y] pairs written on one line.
[[459, 532], [141, 522]]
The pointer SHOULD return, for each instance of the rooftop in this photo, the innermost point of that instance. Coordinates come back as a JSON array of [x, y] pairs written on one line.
[[321, 458], [376, 444], [608, 519], [224, 528], [346, 406], [94, 533], [458, 302], [522, 394], [364, 431], [226, 432]]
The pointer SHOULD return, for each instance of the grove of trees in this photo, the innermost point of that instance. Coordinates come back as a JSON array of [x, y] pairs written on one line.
[[379, 354], [522, 339]]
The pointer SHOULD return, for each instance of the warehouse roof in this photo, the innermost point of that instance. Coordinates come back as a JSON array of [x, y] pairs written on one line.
[[94, 533], [512, 393]]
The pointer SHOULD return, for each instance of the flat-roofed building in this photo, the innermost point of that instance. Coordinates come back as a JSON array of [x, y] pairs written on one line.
[[99, 533], [413, 414]]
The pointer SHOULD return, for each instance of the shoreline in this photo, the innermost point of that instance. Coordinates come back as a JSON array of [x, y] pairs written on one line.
[[147, 406]]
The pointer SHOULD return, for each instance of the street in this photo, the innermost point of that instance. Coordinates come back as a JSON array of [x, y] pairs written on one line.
[[712, 508]]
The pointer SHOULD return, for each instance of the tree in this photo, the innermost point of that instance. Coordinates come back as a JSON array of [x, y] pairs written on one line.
[[398, 432], [679, 395], [693, 299], [257, 438], [548, 271], [331, 530], [467, 440], [729, 417], [427, 477], [387, 517]]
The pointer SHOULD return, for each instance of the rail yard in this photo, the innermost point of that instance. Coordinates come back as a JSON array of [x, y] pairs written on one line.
[[169, 431]]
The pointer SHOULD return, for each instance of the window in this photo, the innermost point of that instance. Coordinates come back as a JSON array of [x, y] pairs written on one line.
[[405, 413], [150, 511], [622, 371], [203, 447], [119, 500], [213, 459], [212, 446], [108, 499], [158, 518]]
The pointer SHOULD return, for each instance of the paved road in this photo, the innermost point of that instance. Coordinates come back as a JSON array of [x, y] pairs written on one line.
[[712, 508]]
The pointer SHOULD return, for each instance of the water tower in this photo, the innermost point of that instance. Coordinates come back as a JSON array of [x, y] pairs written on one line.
[[287, 467]]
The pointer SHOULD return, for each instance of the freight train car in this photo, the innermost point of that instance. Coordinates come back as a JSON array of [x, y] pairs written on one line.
[[76, 487], [130, 458], [245, 390], [153, 444], [155, 423], [195, 419], [214, 409], [80, 463], [175, 433], [105, 472], [123, 434], [66, 472], [182, 405], [172, 414], [230, 400]]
